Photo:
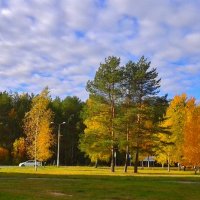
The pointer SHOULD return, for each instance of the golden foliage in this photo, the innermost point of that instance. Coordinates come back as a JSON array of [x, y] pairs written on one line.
[[96, 140], [175, 120], [19, 150], [4, 154], [37, 127], [192, 137]]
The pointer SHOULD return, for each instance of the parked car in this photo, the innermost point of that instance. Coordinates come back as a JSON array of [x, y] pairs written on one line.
[[30, 163]]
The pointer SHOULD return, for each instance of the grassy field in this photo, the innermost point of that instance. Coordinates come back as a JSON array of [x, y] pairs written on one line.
[[81, 183]]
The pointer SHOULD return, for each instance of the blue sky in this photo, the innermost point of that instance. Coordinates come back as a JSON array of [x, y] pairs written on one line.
[[60, 43]]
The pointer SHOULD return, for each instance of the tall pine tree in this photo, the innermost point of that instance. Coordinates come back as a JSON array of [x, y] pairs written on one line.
[[140, 85], [106, 87]]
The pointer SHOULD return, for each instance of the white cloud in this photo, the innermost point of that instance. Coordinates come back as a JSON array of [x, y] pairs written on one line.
[[6, 12], [61, 43]]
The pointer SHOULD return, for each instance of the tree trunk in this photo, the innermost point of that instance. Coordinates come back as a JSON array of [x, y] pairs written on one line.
[[113, 137], [127, 159], [179, 167], [127, 150], [168, 164], [137, 148], [142, 164], [148, 162], [72, 150], [96, 163], [112, 160], [195, 170], [136, 161]]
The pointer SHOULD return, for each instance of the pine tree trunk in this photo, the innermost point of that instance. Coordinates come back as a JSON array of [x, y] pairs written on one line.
[[127, 150], [112, 160], [113, 137], [136, 161], [127, 159], [137, 147]]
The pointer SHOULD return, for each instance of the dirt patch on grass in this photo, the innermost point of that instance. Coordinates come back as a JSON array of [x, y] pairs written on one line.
[[59, 194]]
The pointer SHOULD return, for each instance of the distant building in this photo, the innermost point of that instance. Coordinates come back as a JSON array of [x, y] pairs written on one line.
[[148, 161]]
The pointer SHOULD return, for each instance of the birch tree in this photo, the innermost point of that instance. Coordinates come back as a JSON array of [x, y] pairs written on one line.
[[39, 138], [191, 150], [171, 148]]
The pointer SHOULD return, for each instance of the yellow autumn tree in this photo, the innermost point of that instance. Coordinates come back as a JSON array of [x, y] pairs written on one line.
[[192, 137], [4, 155], [96, 140], [171, 145], [19, 150], [39, 137]]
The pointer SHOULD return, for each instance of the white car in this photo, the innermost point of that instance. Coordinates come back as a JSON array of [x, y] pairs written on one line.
[[30, 163]]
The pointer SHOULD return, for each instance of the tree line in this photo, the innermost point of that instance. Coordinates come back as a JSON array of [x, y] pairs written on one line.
[[22, 116], [124, 116]]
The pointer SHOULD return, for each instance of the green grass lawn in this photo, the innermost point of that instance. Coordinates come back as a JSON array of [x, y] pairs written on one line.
[[89, 183]]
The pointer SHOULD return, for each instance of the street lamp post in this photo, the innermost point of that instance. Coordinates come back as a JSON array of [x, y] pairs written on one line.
[[58, 149]]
